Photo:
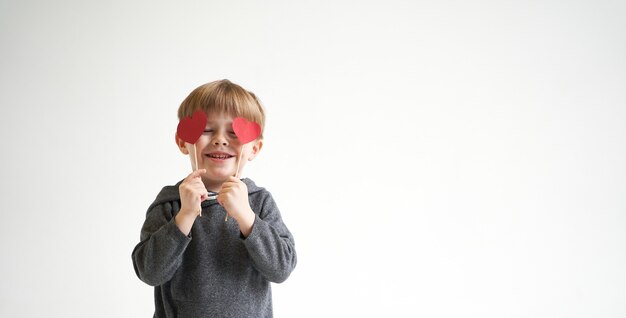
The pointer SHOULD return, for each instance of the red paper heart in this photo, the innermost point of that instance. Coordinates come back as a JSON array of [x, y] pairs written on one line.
[[191, 128], [246, 131]]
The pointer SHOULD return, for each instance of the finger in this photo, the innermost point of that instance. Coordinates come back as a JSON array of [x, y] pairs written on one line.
[[202, 192], [196, 174], [194, 187], [232, 187], [226, 186], [233, 179], [197, 183]]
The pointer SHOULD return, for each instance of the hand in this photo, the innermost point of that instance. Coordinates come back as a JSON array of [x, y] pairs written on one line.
[[192, 192], [233, 196]]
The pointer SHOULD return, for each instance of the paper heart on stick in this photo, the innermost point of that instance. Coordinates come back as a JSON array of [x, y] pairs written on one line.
[[191, 128], [245, 130]]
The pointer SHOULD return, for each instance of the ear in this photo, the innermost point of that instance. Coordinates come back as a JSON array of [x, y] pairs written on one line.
[[256, 147], [181, 144]]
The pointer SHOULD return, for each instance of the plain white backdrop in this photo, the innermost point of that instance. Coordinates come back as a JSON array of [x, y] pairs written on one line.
[[432, 158]]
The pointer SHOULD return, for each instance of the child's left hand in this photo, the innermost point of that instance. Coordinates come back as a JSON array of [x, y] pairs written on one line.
[[233, 196]]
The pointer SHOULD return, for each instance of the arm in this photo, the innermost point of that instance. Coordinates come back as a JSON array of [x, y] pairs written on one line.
[[266, 238], [164, 237], [270, 244], [159, 254]]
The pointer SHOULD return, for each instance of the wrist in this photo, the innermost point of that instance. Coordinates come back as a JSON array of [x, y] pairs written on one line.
[[184, 221], [245, 221], [188, 213]]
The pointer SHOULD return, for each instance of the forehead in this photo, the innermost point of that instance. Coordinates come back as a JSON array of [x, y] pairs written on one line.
[[219, 118]]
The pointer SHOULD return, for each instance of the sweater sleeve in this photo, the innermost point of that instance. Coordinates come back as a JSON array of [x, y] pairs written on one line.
[[270, 244], [160, 250]]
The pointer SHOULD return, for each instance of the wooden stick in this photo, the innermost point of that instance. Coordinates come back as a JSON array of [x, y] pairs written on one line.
[[236, 172], [238, 161], [195, 157]]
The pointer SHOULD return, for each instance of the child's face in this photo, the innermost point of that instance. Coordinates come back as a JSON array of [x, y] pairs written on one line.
[[218, 150]]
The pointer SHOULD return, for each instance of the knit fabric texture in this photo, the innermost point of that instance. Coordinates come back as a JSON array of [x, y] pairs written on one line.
[[214, 271]]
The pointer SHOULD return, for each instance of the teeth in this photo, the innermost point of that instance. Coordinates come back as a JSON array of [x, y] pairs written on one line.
[[219, 156]]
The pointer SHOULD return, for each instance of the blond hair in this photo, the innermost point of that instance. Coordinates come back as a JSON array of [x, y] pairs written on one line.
[[224, 97]]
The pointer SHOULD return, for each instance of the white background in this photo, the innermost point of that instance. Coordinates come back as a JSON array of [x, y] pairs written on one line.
[[432, 158]]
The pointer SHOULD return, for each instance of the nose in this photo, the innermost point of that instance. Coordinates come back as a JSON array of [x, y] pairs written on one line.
[[219, 140], [218, 143]]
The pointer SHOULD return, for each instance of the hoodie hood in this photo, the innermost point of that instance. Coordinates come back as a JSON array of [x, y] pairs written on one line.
[[170, 193]]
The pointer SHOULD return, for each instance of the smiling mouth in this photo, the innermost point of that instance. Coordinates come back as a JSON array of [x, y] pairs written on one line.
[[219, 156]]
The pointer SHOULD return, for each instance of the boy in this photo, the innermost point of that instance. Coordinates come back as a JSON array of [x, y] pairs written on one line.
[[200, 264]]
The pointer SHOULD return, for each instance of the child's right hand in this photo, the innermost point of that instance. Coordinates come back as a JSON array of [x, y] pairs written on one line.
[[192, 193]]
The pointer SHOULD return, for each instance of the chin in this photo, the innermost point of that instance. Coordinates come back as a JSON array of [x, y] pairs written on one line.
[[218, 176]]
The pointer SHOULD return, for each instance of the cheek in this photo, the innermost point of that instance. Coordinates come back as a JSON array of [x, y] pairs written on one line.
[[202, 141], [248, 153], [234, 141]]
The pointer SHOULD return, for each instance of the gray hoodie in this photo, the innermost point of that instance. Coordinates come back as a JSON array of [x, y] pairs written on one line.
[[214, 271]]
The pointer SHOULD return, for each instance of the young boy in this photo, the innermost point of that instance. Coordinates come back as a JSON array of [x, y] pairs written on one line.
[[200, 264]]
